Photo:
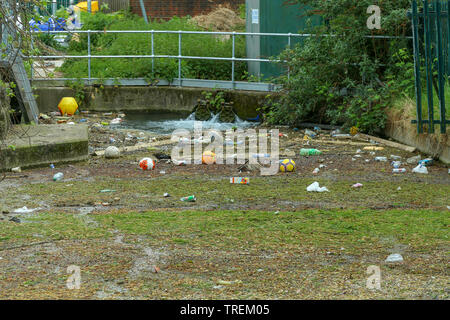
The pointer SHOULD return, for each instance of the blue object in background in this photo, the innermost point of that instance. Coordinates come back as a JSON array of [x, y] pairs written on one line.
[[50, 25]]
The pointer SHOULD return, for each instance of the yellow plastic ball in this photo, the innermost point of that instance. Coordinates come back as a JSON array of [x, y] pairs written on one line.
[[287, 165], [68, 105]]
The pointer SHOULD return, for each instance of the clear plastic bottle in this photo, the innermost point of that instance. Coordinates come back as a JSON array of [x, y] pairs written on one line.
[[58, 177]]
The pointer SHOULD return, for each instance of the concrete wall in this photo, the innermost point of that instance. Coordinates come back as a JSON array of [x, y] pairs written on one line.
[[149, 99], [157, 9], [400, 128]]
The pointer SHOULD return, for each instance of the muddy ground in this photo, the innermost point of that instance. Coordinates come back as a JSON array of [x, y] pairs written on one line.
[[270, 239]]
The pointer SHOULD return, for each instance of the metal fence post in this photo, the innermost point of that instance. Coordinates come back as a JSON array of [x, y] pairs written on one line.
[[417, 66], [440, 62], [89, 56], [89, 6], [428, 63], [289, 45], [54, 7], [233, 61], [153, 52], [179, 57]]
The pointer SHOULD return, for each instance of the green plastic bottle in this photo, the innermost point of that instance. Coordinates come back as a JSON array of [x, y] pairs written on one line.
[[310, 152]]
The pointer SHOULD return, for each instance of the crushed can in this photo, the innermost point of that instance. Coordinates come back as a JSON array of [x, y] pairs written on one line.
[[239, 180]]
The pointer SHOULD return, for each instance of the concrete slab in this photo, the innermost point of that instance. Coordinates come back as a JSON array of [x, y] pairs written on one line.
[[40, 145]]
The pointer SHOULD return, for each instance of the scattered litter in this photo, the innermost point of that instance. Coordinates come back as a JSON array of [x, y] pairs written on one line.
[[106, 204], [342, 136], [316, 171], [310, 152], [217, 287], [398, 170], [322, 166], [396, 164], [25, 210], [166, 195], [394, 157], [156, 269], [276, 212], [358, 151], [224, 282], [112, 152], [239, 180], [310, 133], [353, 159], [16, 169], [162, 172], [413, 160], [15, 219], [371, 148], [179, 162], [315, 187], [58, 177], [116, 121], [357, 156], [426, 162], [395, 257], [107, 191], [381, 159], [189, 199], [357, 185], [420, 169], [448, 207], [52, 166]]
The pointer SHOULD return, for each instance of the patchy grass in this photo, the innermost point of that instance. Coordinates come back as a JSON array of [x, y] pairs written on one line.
[[283, 191], [257, 230]]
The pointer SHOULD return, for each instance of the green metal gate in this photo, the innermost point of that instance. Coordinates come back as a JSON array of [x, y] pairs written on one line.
[[431, 31]]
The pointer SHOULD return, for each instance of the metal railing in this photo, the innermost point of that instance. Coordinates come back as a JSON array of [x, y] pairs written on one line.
[[231, 84], [432, 45]]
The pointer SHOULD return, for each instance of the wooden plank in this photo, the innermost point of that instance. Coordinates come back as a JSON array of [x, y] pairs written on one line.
[[387, 142]]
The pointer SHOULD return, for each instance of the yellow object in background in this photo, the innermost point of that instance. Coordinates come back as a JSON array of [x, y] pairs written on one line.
[[68, 105], [84, 6]]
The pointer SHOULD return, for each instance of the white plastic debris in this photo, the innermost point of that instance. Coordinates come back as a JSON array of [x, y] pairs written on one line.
[[381, 159], [179, 162], [112, 153], [316, 171], [357, 185], [25, 210], [16, 169], [420, 169], [315, 187], [395, 257], [413, 160]]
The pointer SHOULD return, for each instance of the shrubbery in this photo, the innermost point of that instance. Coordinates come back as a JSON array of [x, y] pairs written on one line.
[[347, 78], [140, 44]]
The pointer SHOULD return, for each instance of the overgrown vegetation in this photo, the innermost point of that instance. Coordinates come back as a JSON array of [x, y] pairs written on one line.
[[347, 78], [140, 44]]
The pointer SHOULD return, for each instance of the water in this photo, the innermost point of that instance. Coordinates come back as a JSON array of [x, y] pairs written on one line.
[[166, 123]]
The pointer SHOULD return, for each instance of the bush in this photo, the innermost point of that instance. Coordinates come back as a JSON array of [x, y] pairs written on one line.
[[346, 78], [140, 44]]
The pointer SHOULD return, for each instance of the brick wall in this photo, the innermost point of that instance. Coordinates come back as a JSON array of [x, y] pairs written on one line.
[[165, 9]]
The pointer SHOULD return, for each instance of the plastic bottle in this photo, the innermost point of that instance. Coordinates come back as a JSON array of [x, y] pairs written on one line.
[[398, 170], [58, 177], [188, 199], [310, 152]]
